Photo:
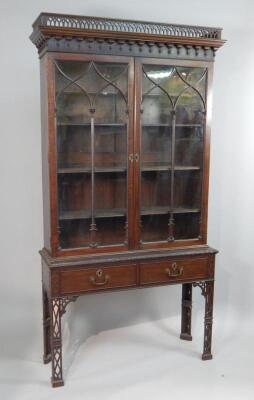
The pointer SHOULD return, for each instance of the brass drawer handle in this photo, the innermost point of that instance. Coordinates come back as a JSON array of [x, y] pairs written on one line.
[[98, 275], [174, 270]]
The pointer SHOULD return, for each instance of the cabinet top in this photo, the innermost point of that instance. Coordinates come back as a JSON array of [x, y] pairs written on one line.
[[62, 26]]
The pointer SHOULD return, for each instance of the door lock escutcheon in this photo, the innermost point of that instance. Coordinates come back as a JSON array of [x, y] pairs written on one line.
[[134, 157]]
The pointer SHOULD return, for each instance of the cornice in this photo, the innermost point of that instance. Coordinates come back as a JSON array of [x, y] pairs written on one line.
[[71, 27]]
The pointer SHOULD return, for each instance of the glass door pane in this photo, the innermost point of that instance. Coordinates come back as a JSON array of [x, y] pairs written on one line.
[[172, 126], [92, 126]]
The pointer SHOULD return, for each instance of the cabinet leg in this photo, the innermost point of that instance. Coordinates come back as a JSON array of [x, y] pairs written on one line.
[[46, 328], [56, 342], [186, 311], [209, 290]]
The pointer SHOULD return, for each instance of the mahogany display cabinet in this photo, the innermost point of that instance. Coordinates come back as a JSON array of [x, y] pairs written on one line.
[[126, 114]]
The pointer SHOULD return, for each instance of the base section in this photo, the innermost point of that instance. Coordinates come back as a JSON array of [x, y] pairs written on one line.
[[57, 383], [186, 336], [207, 357], [83, 274]]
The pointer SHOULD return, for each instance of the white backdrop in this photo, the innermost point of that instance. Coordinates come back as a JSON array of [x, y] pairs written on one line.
[[231, 215]]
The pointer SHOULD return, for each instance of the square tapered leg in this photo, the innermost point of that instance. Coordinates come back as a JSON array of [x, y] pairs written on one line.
[[186, 311]]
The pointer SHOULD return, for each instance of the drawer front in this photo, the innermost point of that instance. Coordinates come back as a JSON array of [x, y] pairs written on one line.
[[99, 278], [173, 270]]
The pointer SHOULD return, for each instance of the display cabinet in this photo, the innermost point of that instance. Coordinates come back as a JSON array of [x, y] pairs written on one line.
[[126, 113]]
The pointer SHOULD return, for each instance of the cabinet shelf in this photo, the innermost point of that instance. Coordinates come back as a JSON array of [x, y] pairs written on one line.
[[166, 210], [151, 94], [118, 124], [87, 124], [80, 93], [84, 170], [121, 212], [170, 126], [167, 167], [148, 168], [86, 213]]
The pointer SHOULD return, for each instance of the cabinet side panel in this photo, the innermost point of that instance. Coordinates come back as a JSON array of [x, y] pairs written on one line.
[[46, 277], [44, 146], [206, 161]]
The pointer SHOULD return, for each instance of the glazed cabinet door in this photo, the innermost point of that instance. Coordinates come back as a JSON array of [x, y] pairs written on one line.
[[93, 118], [171, 124]]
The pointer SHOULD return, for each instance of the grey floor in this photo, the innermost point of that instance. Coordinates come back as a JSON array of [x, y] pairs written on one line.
[[143, 361]]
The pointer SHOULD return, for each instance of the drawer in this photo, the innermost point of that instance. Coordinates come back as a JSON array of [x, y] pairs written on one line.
[[97, 278], [173, 270]]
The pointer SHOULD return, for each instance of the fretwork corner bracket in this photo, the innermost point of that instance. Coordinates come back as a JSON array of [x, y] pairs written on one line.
[[202, 286], [64, 303]]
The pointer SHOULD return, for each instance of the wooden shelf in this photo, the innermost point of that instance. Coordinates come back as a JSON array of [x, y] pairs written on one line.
[[121, 212], [87, 124], [170, 126], [86, 213], [150, 94], [189, 125], [86, 170], [116, 124], [122, 125], [79, 92], [189, 139], [167, 167], [162, 95], [115, 169], [161, 210]]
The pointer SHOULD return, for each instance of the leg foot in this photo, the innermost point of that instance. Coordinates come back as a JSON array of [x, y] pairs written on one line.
[[186, 312], [207, 357], [57, 383], [186, 336], [47, 359]]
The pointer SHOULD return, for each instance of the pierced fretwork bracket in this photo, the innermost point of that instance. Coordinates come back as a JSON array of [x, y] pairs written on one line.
[[202, 286], [64, 303]]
